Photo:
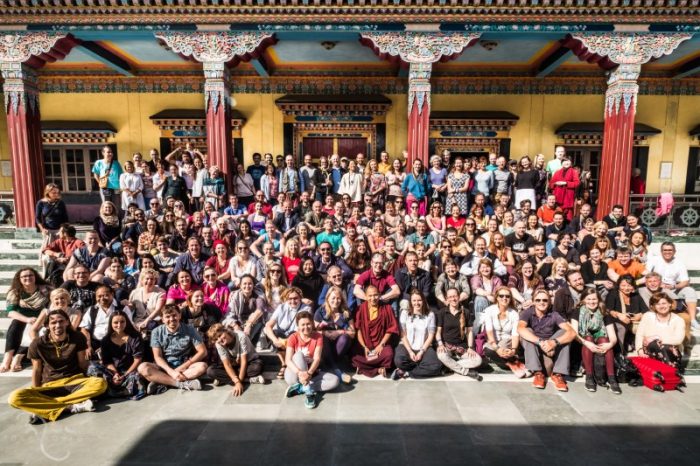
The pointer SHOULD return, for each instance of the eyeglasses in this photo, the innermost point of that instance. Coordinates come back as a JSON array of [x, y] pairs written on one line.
[[210, 275], [276, 272], [293, 298], [335, 275], [471, 224], [542, 300], [325, 249], [504, 296]]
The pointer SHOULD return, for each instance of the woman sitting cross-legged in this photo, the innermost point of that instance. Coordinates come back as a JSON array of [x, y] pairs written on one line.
[[239, 361], [661, 332], [334, 321], [121, 354], [282, 323], [455, 340], [415, 356], [595, 330], [503, 341], [303, 361], [375, 325]]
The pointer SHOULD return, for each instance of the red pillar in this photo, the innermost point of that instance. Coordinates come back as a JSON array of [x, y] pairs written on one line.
[[418, 112], [217, 99], [618, 139], [24, 129]]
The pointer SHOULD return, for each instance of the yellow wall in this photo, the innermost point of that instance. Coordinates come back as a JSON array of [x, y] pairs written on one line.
[[539, 115], [5, 181]]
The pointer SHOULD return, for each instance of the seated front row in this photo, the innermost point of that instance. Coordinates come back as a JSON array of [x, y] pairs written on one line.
[[421, 344]]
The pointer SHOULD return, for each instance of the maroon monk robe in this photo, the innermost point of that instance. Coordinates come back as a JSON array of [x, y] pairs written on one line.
[[372, 333]]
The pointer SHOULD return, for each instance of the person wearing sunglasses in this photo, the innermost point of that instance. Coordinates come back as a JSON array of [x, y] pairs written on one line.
[[325, 259], [282, 323], [501, 326], [546, 334]]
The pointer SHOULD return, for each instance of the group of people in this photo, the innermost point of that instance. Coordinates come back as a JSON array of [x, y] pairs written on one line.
[[350, 267]]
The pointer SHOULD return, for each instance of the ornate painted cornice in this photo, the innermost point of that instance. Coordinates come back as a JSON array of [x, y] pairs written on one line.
[[216, 50], [20, 80], [555, 85], [420, 50], [630, 51], [220, 46], [631, 48], [342, 11], [419, 47], [19, 47]]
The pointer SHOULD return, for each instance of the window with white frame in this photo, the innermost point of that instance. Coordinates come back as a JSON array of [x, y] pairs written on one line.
[[70, 167]]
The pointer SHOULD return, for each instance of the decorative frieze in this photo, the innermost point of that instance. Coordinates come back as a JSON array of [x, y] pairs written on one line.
[[630, 51]]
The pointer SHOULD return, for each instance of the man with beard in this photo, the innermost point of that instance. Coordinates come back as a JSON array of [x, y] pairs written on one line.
[[58, 373]]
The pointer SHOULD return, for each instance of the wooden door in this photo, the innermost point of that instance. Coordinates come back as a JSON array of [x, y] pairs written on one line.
[[316, 147], [350, 147]]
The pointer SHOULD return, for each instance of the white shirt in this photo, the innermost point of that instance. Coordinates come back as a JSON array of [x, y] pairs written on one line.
[[101, 321], [501, 329], [672, 272], [417, 328]]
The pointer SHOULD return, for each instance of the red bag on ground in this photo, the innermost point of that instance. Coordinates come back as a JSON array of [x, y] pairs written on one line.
[[658, 375]]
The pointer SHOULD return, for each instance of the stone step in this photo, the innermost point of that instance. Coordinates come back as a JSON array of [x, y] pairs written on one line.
[[30, 256], [25, 244], [12, 265]]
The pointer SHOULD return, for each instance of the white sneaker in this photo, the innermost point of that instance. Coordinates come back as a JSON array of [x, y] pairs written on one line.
[[694, 324], [190, 385], [84, 407], [257, 379]]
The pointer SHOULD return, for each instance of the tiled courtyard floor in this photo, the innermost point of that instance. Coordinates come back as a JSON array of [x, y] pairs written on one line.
[[448, 421]]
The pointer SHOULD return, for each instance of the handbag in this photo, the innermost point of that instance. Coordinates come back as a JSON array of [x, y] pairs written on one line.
[[104, 179]]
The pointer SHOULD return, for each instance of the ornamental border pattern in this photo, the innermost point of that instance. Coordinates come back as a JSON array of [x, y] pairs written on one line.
[[360, 86]]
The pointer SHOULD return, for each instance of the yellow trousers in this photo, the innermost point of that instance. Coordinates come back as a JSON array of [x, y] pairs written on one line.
[[49, 400]]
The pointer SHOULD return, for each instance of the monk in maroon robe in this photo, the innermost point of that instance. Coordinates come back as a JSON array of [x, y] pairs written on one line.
[[375, 325], [563, 185]]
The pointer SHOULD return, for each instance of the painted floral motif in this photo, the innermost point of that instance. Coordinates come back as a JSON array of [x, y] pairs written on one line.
[[631, 48], [206, 46], [630, 51], [18, 47], [20, 81], [420, 50], [421, 47]]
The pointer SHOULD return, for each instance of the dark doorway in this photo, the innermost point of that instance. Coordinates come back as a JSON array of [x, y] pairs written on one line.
[[316, 147], [350, 147]]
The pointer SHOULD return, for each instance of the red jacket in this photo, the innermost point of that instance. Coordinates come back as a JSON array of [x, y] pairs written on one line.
[[566, 195]]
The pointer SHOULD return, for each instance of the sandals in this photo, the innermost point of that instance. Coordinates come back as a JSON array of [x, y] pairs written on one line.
[[17, 363], [280, 373]]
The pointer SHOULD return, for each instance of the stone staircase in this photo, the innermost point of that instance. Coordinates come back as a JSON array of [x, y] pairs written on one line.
[[24, 251]]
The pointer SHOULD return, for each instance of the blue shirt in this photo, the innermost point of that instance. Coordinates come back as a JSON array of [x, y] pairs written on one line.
[[177, 347], [100, 169], [419, 188], [240, 210]]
